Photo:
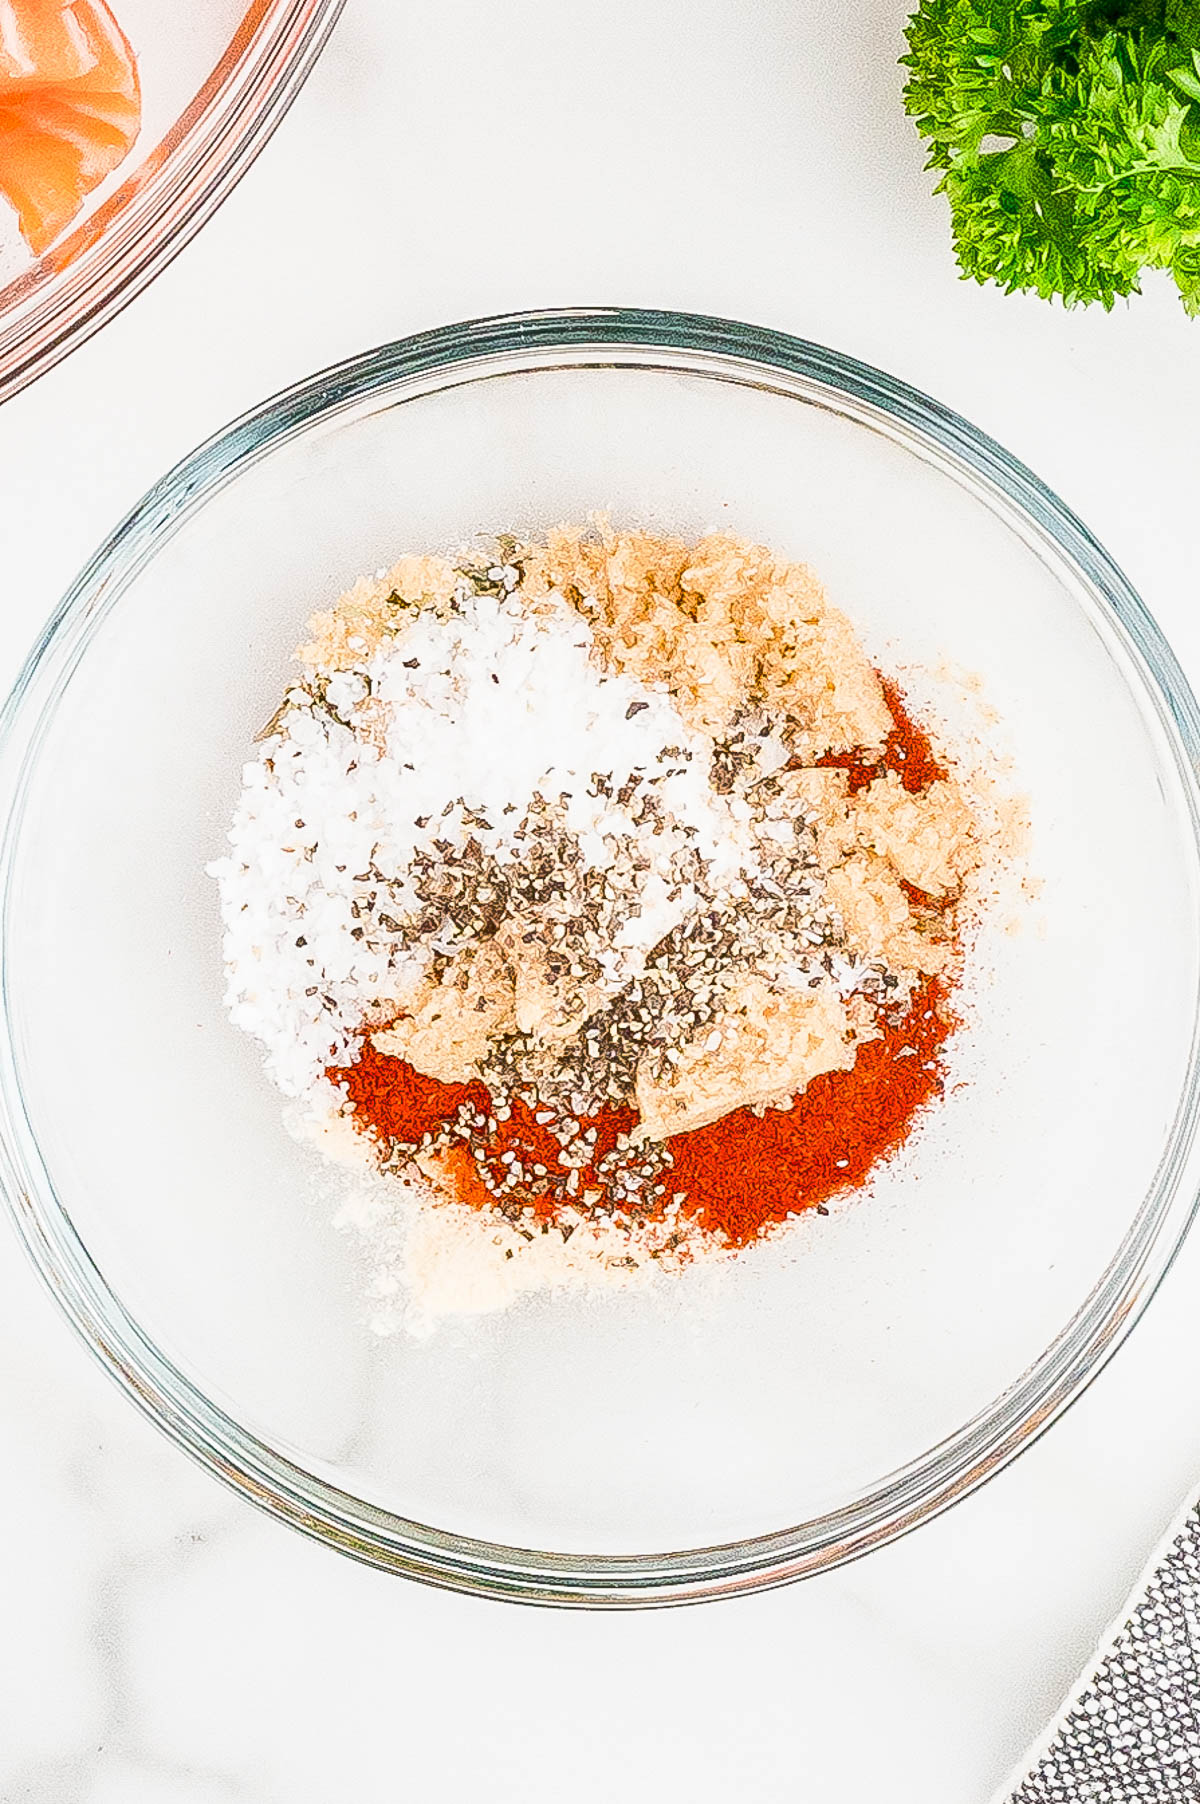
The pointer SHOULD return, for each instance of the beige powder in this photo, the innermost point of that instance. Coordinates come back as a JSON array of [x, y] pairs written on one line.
[[765, 1046], [725, 626], [878, 919], [927, 838], [448, 1027], [369, 613], [822, 797], [433, 1258]]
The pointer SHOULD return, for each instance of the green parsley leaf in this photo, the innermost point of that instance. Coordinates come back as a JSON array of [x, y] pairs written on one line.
[[1068, 140]]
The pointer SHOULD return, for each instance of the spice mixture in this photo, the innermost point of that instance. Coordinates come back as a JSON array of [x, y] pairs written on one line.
[[602, 897]]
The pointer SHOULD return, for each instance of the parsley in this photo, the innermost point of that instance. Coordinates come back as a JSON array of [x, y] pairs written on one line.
[[1068, 137]]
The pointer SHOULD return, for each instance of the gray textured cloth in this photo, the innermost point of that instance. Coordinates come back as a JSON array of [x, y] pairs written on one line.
[[1131, 1733]]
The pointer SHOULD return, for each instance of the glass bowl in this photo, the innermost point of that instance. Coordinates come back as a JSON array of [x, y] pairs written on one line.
[[216, 81], [723, 1430]]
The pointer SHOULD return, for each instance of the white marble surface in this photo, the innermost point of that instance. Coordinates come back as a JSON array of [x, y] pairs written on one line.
[[160, 1642]]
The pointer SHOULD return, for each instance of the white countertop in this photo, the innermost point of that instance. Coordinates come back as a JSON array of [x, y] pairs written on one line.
[[161, 1642]]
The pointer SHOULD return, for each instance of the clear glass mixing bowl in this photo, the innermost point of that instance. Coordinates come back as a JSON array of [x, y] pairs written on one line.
[[216, 80], [720, 1432]]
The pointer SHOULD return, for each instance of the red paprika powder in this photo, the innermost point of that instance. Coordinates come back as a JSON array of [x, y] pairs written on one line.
[[737, 1176], [907, 751], [747, 1171]]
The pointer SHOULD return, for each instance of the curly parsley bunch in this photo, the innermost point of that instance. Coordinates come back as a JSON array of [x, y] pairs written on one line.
[[1069, 138]]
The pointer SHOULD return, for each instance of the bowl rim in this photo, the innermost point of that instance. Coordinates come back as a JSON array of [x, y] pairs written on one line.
[[428, 362], [90, 274]]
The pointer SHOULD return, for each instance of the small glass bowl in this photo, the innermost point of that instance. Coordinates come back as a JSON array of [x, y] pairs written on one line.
[[216, 81], [721, 1431]]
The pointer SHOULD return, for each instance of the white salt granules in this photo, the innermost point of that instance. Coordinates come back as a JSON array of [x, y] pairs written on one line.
[[449, 732]]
